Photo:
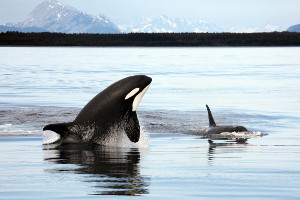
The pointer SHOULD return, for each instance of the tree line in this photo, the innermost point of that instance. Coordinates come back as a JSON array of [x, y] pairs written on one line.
[[150, 39]]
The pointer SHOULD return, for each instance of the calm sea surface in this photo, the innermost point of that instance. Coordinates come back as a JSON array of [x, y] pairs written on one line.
[[258, 88]]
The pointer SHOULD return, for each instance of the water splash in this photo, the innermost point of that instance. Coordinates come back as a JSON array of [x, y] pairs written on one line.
[[236, 135], [117, 138], [248, 134]]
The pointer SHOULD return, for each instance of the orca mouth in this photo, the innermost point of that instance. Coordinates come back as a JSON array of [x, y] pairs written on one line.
[[139, 97]]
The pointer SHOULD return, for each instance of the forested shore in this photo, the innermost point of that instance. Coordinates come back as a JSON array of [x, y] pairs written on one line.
[[151, 39]]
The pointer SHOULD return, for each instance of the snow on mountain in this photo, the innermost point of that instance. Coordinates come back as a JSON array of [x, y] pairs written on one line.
[[164, 24], [266, 28], [56, 17], [53, 16]]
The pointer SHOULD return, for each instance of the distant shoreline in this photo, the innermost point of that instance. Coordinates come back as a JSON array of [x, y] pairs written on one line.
[[150, 39]]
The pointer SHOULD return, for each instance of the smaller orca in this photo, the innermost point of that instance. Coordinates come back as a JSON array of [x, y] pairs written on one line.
[[214, 129]]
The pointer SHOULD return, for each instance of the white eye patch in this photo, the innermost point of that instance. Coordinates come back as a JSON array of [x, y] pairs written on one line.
[[133, 92]]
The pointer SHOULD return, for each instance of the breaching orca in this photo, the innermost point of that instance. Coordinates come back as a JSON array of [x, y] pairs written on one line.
[[214, 129], [113, 109]]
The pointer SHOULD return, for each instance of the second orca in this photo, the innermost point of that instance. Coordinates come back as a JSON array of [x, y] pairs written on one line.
[[214, 129]]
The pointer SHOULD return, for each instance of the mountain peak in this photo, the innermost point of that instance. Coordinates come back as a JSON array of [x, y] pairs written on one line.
[[295, 28], [57, 17]]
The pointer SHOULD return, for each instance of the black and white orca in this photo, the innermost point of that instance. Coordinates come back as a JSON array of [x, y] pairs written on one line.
[[113, 109], [214, 129]]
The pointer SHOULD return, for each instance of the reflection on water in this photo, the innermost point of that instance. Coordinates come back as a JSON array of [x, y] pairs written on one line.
[[111, 170], [228, 142], [226, 146]]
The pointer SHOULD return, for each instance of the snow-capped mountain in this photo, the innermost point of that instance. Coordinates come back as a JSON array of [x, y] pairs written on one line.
[[53, 16], [164, 24]]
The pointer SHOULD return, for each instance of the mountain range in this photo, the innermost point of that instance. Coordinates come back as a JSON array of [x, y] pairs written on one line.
[[52, 16], [165, 24]]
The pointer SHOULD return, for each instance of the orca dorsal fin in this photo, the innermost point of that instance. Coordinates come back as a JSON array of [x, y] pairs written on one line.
[[212, 122], [132, 127], [60, 128]]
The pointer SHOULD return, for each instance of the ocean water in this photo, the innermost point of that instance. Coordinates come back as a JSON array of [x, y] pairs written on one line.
[[254, 87]]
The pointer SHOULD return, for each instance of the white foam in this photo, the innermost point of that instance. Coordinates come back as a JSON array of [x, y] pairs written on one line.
[[118, 138], [244, 134]]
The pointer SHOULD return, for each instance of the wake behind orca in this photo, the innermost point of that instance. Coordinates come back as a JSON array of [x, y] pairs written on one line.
[[214, 129], [112, 110]]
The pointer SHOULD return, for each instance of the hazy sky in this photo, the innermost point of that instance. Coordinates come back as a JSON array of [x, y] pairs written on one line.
[[223, 13]]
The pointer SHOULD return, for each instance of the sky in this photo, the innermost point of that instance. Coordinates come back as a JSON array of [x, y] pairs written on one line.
[[223, 13]]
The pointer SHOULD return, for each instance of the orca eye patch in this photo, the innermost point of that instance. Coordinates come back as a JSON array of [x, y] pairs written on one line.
[[132, 93]]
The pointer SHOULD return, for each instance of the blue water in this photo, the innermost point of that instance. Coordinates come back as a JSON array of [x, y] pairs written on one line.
[[254, 87]]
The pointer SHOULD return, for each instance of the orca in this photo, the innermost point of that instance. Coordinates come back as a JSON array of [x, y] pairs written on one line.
[[112, 110], [214, 129]]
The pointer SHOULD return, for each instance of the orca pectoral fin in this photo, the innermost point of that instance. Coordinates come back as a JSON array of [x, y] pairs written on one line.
[[60, 128], [132, 127]]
